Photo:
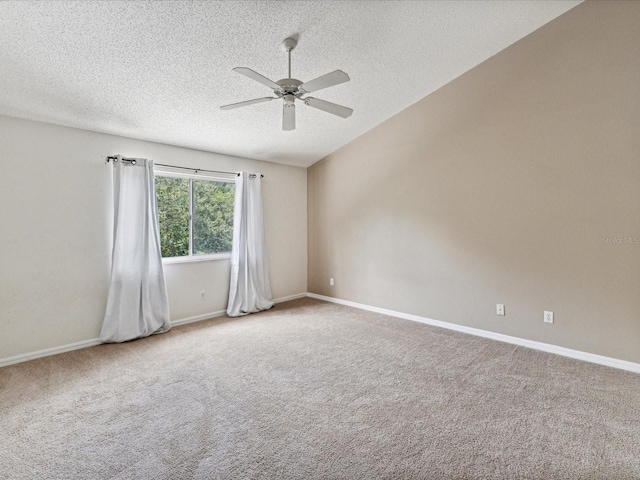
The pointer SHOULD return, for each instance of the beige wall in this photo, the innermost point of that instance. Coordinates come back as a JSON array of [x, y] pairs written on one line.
[[55, 233], [501, 188]]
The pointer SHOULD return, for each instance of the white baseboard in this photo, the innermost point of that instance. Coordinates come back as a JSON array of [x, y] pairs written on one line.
[[219, 313], [4, 362], [25, 357], [290, 297], [545, 347], [197, 318]]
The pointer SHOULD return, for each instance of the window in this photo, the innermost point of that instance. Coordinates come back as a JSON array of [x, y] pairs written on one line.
[[195, 216]]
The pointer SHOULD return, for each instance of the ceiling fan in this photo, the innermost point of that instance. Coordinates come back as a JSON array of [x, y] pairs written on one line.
[[290, 89]]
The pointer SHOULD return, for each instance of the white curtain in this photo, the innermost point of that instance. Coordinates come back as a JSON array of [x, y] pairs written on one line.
[[137, 305], [250, 288]]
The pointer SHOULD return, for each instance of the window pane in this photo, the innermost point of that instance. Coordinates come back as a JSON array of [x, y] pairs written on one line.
[[212, 217], [172, 195]]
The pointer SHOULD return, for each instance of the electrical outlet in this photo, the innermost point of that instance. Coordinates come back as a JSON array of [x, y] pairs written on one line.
[[499, 308], [548, 317], [331, 282]]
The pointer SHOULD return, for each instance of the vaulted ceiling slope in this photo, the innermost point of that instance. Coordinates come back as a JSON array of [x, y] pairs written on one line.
[[160, 71]]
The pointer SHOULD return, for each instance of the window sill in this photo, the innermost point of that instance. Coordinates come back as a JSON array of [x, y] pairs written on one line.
[[196, 258]]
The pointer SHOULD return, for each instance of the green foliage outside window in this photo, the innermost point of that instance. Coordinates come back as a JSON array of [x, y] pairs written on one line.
[[172, 195], [212, 216]]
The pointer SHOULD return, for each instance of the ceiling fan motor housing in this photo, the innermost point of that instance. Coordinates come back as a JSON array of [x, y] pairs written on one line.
[[289, 86]]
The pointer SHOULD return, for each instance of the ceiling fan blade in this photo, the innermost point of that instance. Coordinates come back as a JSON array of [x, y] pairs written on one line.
[[231, 106], [329, 80], [247, 72], [288, 116], [328, 107]]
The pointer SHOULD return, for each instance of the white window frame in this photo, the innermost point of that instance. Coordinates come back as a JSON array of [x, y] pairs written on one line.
[[194, 175]]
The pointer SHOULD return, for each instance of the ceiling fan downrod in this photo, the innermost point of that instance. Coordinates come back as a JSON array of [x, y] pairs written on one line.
[[288, 45]]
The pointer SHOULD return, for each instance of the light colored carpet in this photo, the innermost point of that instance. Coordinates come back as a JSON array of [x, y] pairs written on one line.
[[315, 390]]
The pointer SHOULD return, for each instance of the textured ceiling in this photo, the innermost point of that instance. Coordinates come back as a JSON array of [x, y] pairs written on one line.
[[160, 70]]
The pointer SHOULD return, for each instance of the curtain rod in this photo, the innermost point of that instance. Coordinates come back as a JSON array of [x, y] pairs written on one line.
[[133, 161]]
